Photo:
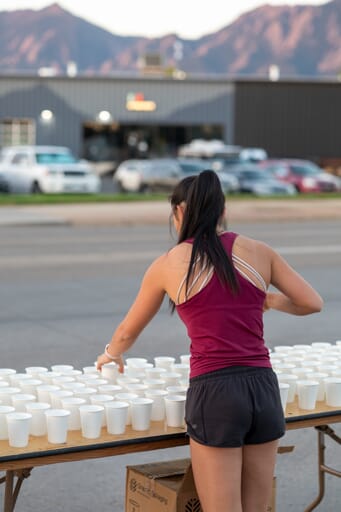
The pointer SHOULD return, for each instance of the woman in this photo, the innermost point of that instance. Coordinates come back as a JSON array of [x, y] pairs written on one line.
[[217, 281]]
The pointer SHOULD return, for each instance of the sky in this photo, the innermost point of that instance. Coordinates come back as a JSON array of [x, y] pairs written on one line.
[[153, 18]]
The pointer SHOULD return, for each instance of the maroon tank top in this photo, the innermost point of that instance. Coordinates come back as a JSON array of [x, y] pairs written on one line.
[[225, 329]]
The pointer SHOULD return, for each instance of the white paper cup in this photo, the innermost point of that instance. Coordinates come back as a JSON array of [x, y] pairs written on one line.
[[116, 416], [310, 363], [72, 405], [138, 388], [110, 389], [307, 394], [15, 378], [101, 399], [6, 372], [44, 391], [172, 378], [164, 362], [62, 379], [333, 391], [30, 386], [175, 410], [302, 373], [91, 420], [88, 378], [62, 368], [20, 400], [155, 383], [327, 368], [47, 377], [4, 383], [136, 361], [18, 424], [291, 379], [109, 372], [95, 383], [85, 393], [91, 369], [57, 396], [35, 371], [57, 425], [320, 377], [284, 367], [38, 422], [284, 390], [185, 358], [73, 386], [123, 381], [302, 346], [6, 394], [135, 373], [283, 348], [4, 410], [323, 345], [126, 397], [158, 406], [336, 373], [141, 411], [154, 373], [182, 368]]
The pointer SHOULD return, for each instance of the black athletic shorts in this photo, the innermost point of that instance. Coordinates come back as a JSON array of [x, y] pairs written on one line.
[[235, 406]]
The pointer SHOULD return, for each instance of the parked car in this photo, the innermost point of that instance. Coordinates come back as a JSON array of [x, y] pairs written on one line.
[[158, 174], [229, 182], [303, 174], [4, 187], [261, 183], [200, 148], [46, 169], [253, 155]]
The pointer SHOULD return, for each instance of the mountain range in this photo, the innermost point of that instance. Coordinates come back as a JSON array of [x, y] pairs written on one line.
[[302, 40]]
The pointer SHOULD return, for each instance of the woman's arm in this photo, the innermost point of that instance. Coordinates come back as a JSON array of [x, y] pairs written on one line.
[[297, 296], [144, 308]]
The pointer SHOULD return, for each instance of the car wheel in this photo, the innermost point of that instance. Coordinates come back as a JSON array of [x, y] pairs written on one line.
[[35, 189]]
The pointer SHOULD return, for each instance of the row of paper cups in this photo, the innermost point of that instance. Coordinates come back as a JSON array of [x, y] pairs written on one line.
[[40, 419], [318, 388]]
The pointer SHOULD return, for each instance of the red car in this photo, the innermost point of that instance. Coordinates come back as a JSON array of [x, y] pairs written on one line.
[[303, 174]]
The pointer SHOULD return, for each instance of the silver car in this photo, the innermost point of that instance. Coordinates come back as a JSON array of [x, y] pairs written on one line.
[[46, 169], [158, 174]]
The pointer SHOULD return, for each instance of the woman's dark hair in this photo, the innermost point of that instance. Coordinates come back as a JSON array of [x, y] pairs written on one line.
[[205, 203]]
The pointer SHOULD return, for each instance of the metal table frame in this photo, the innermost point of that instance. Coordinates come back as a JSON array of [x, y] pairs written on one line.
[[18, 467]]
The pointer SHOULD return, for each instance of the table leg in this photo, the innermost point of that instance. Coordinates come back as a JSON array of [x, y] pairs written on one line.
[[11, 491], [322, 468]]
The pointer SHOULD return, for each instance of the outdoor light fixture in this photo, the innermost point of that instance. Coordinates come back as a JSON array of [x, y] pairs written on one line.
[[104, 116], [46, 116]]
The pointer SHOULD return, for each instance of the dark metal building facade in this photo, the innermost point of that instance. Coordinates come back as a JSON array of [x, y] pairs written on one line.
[[287, 118]]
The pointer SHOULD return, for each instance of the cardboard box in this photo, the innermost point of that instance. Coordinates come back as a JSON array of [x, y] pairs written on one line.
[[166, 487], [161, 487]]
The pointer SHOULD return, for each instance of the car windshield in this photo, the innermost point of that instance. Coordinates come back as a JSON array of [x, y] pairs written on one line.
[[256, 175], [55, 158], [305, 170], [192, 168]]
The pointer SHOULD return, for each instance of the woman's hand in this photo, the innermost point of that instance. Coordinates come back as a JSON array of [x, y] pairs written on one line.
[[268, 302], [104, 359]]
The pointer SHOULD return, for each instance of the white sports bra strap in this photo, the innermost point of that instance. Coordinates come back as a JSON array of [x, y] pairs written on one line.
[[253, 271]]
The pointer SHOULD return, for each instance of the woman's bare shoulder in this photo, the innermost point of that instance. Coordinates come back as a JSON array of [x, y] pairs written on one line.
[[249, 244]]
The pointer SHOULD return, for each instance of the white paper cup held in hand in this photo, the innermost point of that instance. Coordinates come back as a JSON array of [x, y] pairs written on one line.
[[4, 410], [38, 422], [175, 410], [141, 411], [307, 394], [110, 372], [91, 420], [18, 424], [57, 425], [116, 416]]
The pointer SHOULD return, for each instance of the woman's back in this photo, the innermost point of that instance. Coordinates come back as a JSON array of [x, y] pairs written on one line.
[[225, 327]]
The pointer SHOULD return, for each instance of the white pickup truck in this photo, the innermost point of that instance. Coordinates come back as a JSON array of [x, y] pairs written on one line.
[[46, 169]]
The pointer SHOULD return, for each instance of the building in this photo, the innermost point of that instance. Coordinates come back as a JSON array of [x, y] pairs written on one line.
[[108, 119]]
